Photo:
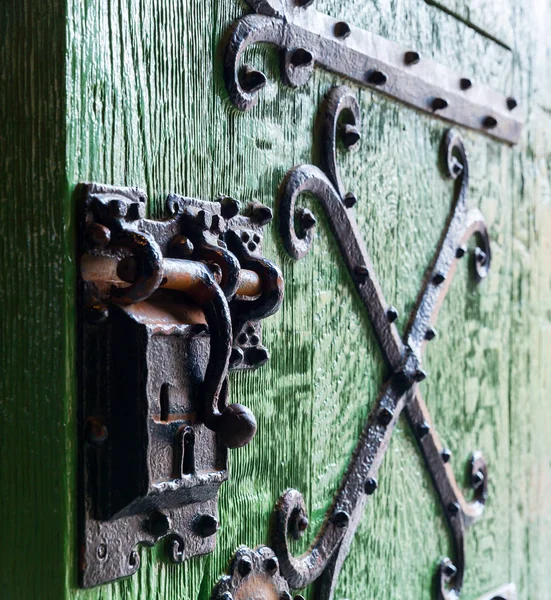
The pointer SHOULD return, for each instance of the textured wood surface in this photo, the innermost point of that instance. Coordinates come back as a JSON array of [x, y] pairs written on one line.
[[136, 98]]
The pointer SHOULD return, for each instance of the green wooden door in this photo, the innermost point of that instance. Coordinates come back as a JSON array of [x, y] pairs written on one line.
[[128, 92]]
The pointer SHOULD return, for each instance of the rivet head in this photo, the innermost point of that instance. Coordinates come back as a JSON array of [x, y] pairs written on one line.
[[430, 333], [439, 104], [251, 80], [385, 416], [453, 508], [361, 273], [101, 551], [423, 429], [341, 30], [489, 122], [351, 135], [370, 485], [307, 219], [411, 57], [376, 78], [349, 200], [480, 255], [391, 314], [461, 251], [465, 83], [420, 375], [340, 519], [438, 278], [244, 566], [446, 455], [96, 431], [449, 569], [229, 207], [205, 525], [511, 103], [271, 565], [157, 524], [477, 480], [98, 234], [260, 213], [302, 524], [301, 58]]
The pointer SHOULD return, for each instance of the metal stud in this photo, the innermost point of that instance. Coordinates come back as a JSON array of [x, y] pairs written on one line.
[[351, 135], [430, 333], [423, 429], [361, 273], [439, 104], [341, 519], [244, 566], [391, 314], [271, 565], [370, 485], [411, 58], [446, 454], [511, 103], [453, 508], [385, 416], [206, 525], [376, 78], [438, 278], [349, 200], [461, 251], [489, 122], [301, 58], [341, 30], [465, 83], [307, 219]]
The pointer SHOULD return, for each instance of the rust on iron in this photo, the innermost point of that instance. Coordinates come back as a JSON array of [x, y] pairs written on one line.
[[175, 299], [307, 37], [322, 562]]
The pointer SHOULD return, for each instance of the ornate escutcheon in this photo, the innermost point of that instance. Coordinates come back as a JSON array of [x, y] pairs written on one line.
[[167, 309]]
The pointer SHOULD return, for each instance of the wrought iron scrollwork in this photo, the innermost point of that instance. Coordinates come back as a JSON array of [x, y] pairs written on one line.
[[322, 562]]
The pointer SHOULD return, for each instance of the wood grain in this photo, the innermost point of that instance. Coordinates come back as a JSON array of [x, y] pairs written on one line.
[[129, 92]]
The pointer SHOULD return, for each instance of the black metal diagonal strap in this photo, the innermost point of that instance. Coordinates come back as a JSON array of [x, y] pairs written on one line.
[[308, 38], [323, 561]]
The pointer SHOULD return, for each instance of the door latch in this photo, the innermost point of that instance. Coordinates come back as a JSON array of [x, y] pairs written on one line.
[[167, 308]]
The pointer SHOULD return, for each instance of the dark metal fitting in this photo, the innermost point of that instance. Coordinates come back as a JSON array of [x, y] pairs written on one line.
[[511, 103], [477, 480], [251, 80], [98, 234], [204, 220], [127, 269], [96, 315], [307, 219], [449, 569], [361, 273], [453, 508], [439, 104], [181, 246], [430, 333], [423, 429], [260, 213], [244, 566], [385, 416], [136, 211], [438, 278], [480, 255], [304, 3], [465, 83], [349, 200], [157, 524], [420, 375], [302, 524], [370, 485], [218, 224], [258, 356], [341, 30], [411, 57], [391, 314], [101, 552], [271, 565], [301, 58], [461, 251], [229, 207], [341, 519], [96, 431], [205, 525], [376, 78], [118, 208], [446, 455], [351, 135], [236, 357], [489, 122]]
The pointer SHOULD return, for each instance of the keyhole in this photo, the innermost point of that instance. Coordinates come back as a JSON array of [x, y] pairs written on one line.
[[165, 401]]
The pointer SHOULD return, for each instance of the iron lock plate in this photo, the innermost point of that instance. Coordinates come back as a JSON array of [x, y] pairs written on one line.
[[166, 309]]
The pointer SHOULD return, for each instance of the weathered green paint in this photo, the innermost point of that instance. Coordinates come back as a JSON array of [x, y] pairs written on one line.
[[130, 92]]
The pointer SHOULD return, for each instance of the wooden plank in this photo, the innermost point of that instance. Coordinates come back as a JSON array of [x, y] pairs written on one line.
[[36, 318]]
